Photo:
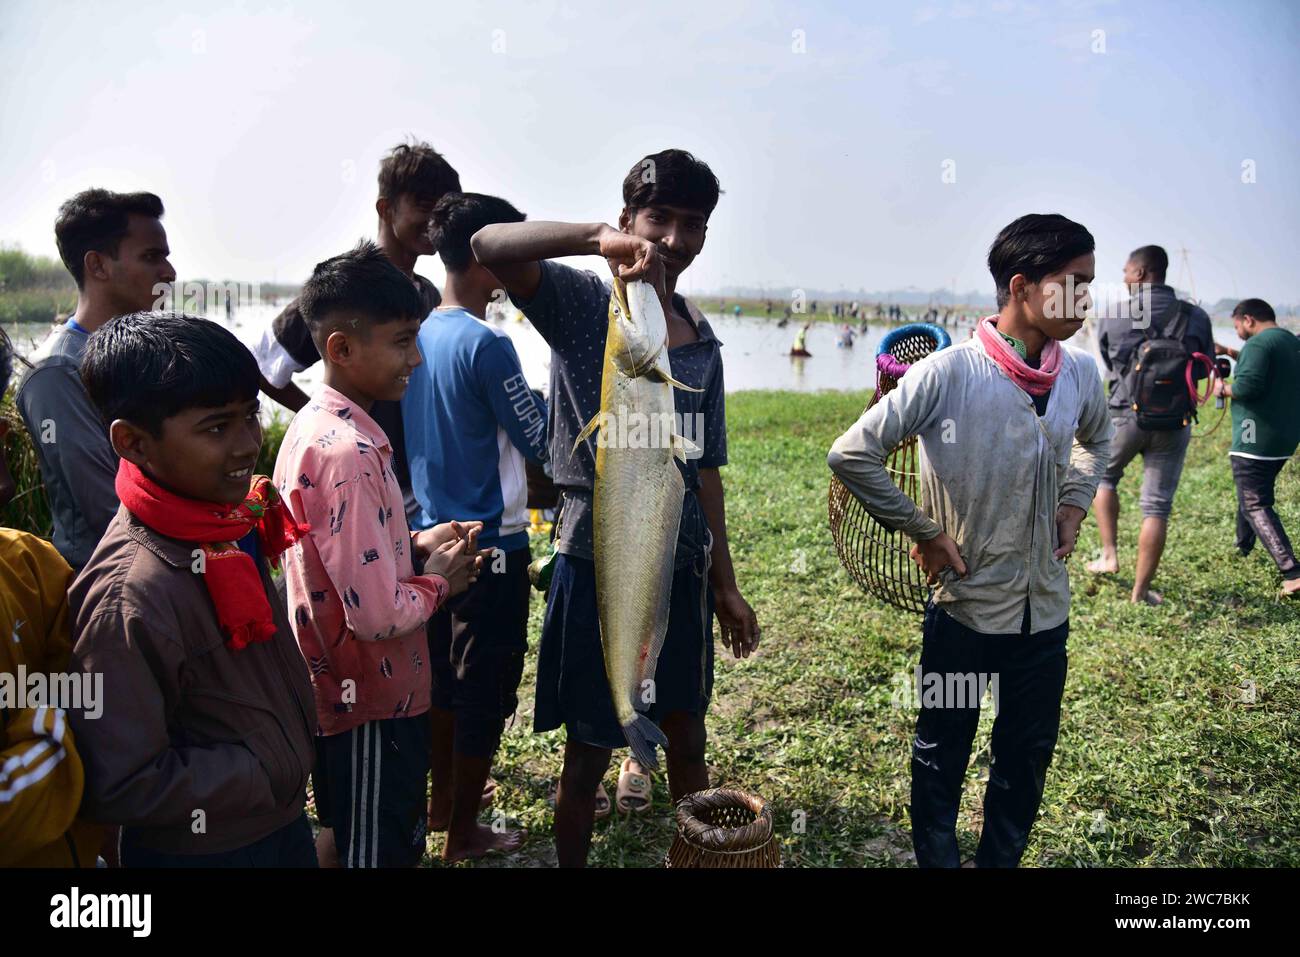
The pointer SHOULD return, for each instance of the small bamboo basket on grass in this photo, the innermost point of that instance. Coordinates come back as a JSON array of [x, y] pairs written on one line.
[[878, 558], [724, 827]]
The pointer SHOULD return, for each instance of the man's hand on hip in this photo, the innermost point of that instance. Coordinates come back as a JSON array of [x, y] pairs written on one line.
[[936, 554]]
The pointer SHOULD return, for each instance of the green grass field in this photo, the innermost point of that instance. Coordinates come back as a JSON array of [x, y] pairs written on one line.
[[1160, 762]]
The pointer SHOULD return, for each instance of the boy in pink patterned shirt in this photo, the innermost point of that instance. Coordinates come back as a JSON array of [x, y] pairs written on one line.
[[357, 607]]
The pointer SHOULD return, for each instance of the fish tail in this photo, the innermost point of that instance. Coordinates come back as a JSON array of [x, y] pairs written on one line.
[[642, 736]]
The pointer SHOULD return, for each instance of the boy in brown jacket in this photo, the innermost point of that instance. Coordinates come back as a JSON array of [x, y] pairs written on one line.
[[205, 742]]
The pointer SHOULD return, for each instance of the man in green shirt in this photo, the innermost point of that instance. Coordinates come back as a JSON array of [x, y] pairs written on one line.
[[1265, 393]]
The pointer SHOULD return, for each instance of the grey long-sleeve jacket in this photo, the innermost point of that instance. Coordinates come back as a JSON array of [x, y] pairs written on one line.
[[993, 474]]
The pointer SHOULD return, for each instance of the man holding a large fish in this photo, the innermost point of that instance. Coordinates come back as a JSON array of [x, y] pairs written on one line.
[[638, 433]]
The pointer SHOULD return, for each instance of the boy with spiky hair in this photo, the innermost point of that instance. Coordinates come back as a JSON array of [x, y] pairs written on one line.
[[667, 200], [1015, 434], [357, 606], [412, 178], [115, 247], [202, 751]]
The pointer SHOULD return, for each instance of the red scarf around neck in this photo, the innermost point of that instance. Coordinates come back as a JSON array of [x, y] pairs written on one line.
[[231, 576], [1034, 381]]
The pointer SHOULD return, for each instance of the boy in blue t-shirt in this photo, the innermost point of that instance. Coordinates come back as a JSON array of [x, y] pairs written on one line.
[[667, 200], [470, 422]]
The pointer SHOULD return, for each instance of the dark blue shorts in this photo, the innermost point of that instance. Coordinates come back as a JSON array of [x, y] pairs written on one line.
[[571, 686], [477, 643], [369, 784]]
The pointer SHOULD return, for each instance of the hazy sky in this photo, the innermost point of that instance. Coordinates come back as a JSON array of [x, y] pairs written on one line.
[[261, 126]]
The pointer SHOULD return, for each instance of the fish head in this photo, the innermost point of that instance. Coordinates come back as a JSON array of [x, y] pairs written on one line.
[[637, 328]]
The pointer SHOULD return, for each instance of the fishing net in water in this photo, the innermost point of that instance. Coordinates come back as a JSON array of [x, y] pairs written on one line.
[[724, 827], [876, 557]]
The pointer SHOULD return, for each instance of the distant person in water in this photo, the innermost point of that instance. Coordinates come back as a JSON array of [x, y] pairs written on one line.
[[846, 337], [800, 347], [1265, 394], [1015, 432]]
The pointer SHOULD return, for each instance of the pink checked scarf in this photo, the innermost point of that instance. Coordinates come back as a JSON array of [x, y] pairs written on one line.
[[1034, 381]]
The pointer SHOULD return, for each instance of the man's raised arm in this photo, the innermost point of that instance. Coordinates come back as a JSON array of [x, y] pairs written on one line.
[[512, 251]]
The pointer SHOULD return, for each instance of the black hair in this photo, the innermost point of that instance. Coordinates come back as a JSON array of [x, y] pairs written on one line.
[[96, 219], [1035, 246], [1153, 259], [417, 169], [362, 283], [457, 217], [146, 367], [671, 178], [1257, 309]]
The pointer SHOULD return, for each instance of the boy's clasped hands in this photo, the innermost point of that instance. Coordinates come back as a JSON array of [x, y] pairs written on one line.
[[451, 550]]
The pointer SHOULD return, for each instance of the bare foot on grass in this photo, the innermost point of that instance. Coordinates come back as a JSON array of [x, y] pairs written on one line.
[[1106, 565], [439, 814], [1152, 598], [482, 840]]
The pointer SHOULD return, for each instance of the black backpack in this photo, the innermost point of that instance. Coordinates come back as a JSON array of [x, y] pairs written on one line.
[[1157, 377]]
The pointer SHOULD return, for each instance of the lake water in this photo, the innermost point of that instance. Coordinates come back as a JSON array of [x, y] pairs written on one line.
[[755, 351]]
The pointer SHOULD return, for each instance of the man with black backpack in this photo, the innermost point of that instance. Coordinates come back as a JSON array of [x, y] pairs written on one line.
[[1152, 365]]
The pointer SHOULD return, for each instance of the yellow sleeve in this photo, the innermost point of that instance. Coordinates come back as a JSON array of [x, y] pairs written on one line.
[[41, 774], [41, 779]]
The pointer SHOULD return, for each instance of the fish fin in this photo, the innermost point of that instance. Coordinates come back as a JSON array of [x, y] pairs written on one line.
[[684, 448], [659, 375], [642, 736], [585, 434]]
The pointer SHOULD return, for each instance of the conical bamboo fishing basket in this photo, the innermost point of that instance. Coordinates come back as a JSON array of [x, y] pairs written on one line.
[[724, 827], [876, 557]]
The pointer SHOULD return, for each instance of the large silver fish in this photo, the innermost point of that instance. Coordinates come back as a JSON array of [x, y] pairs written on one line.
[[636, 505]]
